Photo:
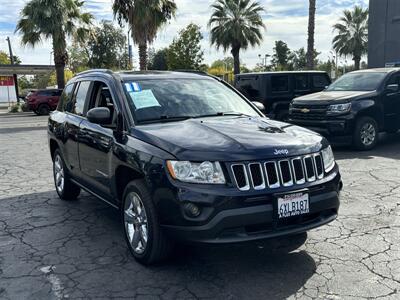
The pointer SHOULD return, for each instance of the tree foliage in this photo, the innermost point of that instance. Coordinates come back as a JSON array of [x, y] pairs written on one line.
[[159, 60], [352, 34], [145, 18], [106, 48], [55, 20], [5, 59], [185, 51], [280, 57], [236, 25]]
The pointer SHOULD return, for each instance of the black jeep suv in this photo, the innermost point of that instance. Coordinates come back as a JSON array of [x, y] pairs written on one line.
[[277, 89], [186, 158], [354, 109]]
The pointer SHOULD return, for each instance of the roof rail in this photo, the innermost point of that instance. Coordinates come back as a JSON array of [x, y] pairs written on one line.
[[108, 71], [192, 71]]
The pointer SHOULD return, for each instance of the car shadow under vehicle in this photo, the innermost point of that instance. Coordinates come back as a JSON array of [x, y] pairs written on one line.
[[81, 243]]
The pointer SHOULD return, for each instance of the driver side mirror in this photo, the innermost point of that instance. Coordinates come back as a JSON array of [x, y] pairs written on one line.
[[392, 88], [259, 105], [99, 115]]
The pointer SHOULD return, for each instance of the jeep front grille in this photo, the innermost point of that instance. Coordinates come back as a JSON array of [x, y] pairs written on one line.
[[278, 173]]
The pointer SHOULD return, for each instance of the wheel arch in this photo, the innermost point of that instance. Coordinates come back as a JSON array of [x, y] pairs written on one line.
[[123, 175], [53, 147]]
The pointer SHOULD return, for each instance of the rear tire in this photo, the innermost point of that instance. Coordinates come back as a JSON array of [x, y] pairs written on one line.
[[366, 134], [66, 189], [43, 110], [143, 234]]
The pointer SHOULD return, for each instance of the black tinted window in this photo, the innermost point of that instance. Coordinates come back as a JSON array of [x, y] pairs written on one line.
[[301, 82], [280, 83], [320, 81], [80, 97], [249, 86], [65, 102], [44, 93]]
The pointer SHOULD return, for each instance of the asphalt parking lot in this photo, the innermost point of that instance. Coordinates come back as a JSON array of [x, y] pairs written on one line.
[[52, 249]]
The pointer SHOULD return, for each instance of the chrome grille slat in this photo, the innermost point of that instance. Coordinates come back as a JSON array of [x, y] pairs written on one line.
[[262, 185], [273, 174]]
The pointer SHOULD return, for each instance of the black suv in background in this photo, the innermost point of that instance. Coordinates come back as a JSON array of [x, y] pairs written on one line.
[[354, 109], [185, 157], [277, 89]]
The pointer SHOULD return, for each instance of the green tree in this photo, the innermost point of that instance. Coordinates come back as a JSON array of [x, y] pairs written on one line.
[[311, 32], [236, 25], [145, 18], [56, 20], [352, 34], [185, 51], [5, 59], [281, 56], [226, 63], [159, 61], [298, 59]]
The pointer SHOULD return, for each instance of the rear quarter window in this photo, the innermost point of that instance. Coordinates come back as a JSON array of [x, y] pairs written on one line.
[[301, 82], [320, 81], [249, 86], [65, 102]]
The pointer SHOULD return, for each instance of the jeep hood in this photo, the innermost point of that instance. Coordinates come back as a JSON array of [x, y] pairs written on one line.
[[329, 97], [230, 138]]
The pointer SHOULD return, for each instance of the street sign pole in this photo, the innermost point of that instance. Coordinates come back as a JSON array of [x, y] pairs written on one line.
[[12, 63]]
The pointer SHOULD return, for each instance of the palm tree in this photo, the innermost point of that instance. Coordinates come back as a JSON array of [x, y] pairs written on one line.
[[235, 25], [145, 18], [311, 31], [56, 20], [352, 37]]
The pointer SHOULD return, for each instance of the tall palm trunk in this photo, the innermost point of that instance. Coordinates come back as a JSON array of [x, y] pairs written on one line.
[[143, 56], [357, 61], [236, 60], [60, 60], [311, 31]]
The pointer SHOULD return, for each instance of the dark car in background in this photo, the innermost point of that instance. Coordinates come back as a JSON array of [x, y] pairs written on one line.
[[185, 157], [43, 101], [277, 89], [354, 109]]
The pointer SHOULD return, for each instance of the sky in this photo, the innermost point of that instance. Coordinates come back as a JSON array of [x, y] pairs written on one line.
[[285, 20]]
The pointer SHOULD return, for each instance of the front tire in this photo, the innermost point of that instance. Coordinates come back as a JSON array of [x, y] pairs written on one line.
[[366, 134], [144, 237], [65, 188]]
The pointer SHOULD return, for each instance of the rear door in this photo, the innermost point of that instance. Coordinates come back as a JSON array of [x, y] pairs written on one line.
[[301, 84], [391, 104], [320, 82], [74, 110]]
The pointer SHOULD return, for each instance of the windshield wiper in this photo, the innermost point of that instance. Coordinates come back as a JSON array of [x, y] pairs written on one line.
[[221, 114], [165, 118]]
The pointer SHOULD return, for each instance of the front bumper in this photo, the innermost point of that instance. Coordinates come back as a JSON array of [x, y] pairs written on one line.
[[260, 220]]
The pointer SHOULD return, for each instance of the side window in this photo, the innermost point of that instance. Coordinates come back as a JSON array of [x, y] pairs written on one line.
[[80, 98], [301, 82], [65, 102], [101, 97], [280, 83], [320, 81], [44, 93], [249, 86]]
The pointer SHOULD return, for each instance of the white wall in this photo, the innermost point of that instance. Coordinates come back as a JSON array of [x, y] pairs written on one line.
[[5, 91]]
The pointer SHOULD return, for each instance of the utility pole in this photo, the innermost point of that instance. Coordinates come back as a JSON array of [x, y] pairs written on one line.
[[12, 63]]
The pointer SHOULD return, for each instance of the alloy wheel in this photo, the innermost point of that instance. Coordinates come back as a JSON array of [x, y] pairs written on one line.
[[135, 221], [368, 134], [59, 173]]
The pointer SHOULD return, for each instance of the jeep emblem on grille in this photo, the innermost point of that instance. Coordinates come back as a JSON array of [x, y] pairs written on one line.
[[305, 110], [281, 151]]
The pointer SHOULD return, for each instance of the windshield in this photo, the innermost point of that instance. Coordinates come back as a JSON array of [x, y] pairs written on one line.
[[155, 100], [357, 82]]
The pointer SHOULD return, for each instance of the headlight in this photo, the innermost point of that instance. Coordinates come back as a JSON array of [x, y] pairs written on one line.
[[339, 108], [329, 160], [205, 172]]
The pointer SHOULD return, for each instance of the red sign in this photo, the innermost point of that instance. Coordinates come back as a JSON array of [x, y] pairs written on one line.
[[6, 81]]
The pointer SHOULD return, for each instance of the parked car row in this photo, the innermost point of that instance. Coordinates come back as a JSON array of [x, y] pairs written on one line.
[[43, 101], [352, 110]]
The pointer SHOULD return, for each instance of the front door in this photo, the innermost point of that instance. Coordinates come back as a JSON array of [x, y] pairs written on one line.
[[96, 144]]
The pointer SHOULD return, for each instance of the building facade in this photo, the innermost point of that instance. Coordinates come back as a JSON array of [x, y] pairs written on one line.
[[384, 33]]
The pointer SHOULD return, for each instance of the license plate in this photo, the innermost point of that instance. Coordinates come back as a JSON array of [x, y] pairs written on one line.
[[293, 205]]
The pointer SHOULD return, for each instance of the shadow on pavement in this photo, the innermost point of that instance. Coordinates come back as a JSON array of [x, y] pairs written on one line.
[[83, 243], [389, 145]]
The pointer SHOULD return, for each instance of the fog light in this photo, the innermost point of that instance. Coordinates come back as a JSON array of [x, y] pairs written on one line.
[[192, 210]]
